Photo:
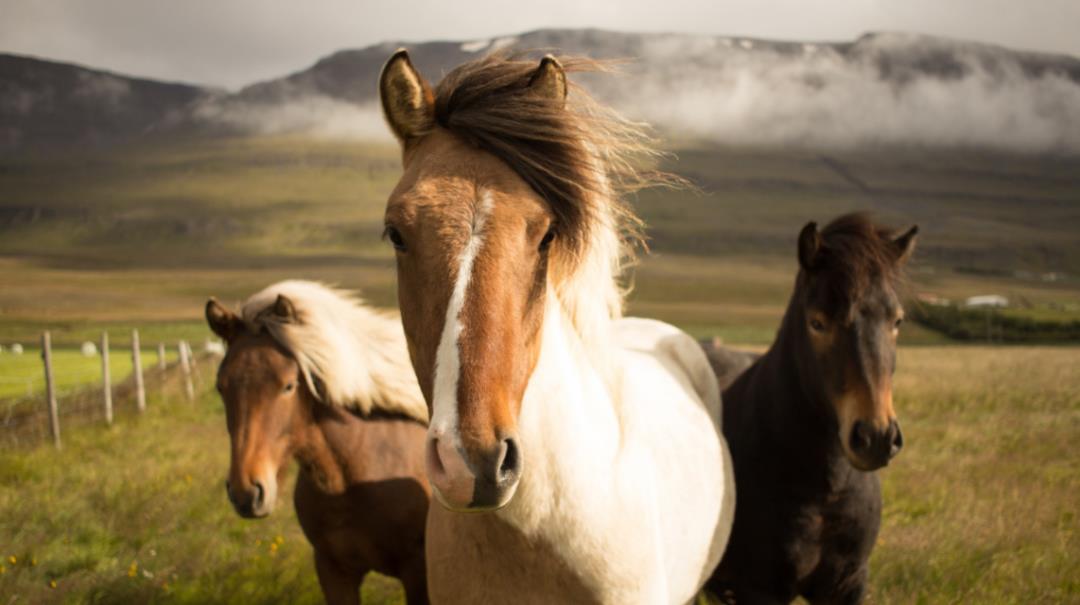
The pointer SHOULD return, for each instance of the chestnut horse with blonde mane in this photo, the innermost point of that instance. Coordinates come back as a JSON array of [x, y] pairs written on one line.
[[577, 455], [312, 374]]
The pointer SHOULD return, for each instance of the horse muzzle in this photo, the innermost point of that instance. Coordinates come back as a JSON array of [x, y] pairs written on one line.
[[254, 500], [482, 482], [870, 448]]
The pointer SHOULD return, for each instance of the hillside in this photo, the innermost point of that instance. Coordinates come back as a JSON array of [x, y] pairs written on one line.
[[881, 90], [884, 89], [50, 104], [146, 233]]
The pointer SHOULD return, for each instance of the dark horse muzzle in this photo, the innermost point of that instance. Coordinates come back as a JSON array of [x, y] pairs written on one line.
[[873, 448]]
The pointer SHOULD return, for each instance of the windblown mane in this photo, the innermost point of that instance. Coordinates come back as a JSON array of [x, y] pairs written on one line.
[[856, 252], [350, 355], [581, 158]]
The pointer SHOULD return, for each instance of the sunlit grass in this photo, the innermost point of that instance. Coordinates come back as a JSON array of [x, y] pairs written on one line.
[[979, 507]]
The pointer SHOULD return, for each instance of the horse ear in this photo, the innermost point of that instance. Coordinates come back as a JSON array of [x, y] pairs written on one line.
[[407, 100], [905, 244], [222, 321], [284, 309], [809, 246], [549, 80]]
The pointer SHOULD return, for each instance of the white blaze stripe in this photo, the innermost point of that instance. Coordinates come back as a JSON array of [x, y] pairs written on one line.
[[447, 359]]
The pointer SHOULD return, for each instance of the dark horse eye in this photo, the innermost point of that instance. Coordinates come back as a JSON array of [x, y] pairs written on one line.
[[817, 325], [548, 238], [899, 320], [289, 388], [395, 238]]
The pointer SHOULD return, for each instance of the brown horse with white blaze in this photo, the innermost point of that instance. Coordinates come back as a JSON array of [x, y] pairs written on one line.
[[312, 374], [811, 419], [576, 453]]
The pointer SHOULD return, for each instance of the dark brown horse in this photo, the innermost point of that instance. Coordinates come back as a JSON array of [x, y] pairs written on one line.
[[299, 354], [811, 419]]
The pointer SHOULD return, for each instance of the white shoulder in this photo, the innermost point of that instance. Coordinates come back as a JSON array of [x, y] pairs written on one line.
[[663, 339]]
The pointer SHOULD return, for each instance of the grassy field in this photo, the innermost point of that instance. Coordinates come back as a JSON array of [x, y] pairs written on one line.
[[980, 506], [142, 236], [22, 375]]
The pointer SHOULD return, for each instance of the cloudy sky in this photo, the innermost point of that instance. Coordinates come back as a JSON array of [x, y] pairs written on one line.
[[235, 42]]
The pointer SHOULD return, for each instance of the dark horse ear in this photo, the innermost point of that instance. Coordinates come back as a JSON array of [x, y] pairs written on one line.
[[407, 100], [905, 244], [809, 246], [549, 80], [222, 321], [284, 310]]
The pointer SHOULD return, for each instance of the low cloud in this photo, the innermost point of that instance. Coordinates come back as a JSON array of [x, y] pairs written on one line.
[[316, 115], [817, 97]]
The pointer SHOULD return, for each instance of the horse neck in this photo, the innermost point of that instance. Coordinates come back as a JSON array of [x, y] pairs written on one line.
[[787, 396], [568, 420], [325, 444]]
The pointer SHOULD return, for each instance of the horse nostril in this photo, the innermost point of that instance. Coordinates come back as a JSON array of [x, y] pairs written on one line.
[[259, 493], [860, 436], [510, 463], [897, 438]]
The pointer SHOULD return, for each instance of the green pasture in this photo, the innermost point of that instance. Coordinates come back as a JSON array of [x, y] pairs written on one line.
[[979, 507], [23, 376], [144, 235]]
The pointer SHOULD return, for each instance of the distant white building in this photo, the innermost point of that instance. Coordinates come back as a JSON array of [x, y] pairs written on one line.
[[995, 301]]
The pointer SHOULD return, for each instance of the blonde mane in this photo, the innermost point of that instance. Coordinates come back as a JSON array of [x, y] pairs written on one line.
[[581, 157], [350, 355]]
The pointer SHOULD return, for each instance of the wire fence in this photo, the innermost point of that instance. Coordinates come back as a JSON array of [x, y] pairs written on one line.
[[47, 390]]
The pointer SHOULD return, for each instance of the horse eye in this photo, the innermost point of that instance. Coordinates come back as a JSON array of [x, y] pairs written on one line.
[[548, 238], [395, 238], [817, 325], [289, 388], [899, 320]]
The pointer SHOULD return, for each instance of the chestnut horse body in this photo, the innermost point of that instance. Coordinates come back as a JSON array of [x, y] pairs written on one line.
[[810, 421], [576, 454], [298, 357]]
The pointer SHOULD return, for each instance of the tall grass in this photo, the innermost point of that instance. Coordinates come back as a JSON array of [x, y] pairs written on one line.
[[979, 508]]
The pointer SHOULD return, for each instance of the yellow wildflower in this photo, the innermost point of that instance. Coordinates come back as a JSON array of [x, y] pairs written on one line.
[[52, 583], [33, 561], [13, 559], [133, 570]]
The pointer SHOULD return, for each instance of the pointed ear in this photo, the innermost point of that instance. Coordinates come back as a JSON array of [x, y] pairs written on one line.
[[809, 246], [222, 321], [284, 310], [549, 80], [905, 244], [407, 100]]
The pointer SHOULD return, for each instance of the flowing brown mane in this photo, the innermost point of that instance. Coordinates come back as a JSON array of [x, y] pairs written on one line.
[[580, 157], [855, 252]]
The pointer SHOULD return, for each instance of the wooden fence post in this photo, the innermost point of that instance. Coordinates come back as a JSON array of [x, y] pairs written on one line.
[[161, 356], [50, 387], [185, 365], [136, 361], [106, 377]]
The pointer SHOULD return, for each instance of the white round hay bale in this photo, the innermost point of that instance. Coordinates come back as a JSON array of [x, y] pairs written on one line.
[[16, 349], [88, 349]]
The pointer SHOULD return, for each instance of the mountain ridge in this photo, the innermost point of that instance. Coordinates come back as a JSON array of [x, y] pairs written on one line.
[[881, 88]]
